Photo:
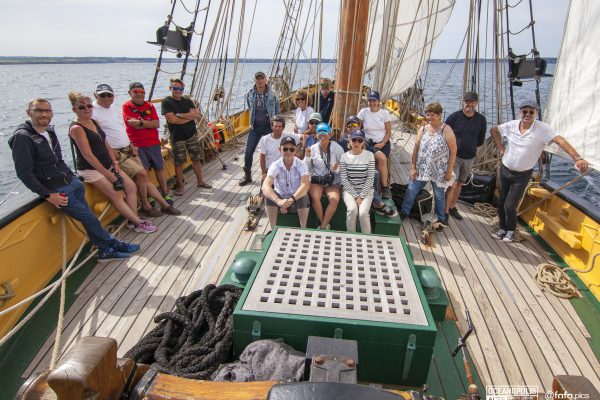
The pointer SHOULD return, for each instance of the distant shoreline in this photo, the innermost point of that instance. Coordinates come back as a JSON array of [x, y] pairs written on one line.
[[23, 60]]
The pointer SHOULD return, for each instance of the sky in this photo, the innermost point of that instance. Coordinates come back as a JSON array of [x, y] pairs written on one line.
[[120, 28]]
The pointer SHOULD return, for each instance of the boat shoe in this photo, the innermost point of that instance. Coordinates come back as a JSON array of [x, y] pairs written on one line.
[[170, 210]]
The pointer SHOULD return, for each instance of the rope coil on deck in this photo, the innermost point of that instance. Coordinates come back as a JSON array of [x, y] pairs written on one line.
[[193, 340], [552, 278]]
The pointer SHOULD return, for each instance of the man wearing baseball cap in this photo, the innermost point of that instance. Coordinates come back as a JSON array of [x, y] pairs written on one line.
[[469, 128], [263, 104], [526, 138]]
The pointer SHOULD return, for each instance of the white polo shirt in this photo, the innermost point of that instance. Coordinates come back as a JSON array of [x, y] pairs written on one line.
[[112, 123], [524, 150], [269, 146], [374, 123]]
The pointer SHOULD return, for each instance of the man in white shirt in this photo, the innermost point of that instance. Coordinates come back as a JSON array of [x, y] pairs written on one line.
[[110, 119], [269, 144], [526, 140]]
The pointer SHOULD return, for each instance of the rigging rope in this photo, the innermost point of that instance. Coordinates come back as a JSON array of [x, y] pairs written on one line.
[[193, 340]]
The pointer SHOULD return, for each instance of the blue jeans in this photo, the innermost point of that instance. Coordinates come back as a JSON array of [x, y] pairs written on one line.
[[376, 196], [512, 186], [256, 132], [414, 187], [78, 209]]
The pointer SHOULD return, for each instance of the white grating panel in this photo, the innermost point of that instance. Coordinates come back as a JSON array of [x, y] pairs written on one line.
[[339, 275]]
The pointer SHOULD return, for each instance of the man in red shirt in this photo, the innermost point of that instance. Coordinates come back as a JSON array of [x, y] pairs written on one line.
[[141, 122]]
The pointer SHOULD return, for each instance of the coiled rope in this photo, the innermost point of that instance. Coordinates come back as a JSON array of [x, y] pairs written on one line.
[[553, 279], [193, 340]]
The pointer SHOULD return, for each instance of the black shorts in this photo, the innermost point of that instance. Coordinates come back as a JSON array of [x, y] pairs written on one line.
[[385, 149]]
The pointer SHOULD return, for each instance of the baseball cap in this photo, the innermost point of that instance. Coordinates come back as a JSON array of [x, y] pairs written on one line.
[[135, 85], [323, 127], [287, 140], [315, 116], [373, 95], [104, 88], [260, 74], [471, 96], [529, 103], [353, 119], [356, 133]]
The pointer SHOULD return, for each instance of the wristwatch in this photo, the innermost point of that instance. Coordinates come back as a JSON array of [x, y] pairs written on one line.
[[178, 115]]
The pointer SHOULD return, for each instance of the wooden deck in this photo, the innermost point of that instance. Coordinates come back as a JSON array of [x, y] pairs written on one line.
[[523, 336]]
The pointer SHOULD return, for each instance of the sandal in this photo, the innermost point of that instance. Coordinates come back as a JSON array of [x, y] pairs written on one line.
[[385, 210], [204, 185]]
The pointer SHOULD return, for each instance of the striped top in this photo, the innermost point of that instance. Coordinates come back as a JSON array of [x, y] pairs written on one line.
[[357, 172]]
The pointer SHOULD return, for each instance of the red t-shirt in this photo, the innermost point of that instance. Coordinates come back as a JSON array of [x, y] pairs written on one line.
[[141, 137]]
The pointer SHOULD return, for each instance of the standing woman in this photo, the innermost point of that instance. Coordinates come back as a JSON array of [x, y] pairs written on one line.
[[433, 160], [323, 162], [303, 112], [97, 165], [357, 172]]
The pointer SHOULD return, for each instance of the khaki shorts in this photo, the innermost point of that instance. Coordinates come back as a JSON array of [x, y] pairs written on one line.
[[129, 163], [191, 146], [90, 175], [462, 169]]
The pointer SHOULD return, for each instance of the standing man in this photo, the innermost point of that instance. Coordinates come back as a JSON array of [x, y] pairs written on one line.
[[141, 122], [40, 166], [469, 127], [263, 104], [181, 114], [526, 140], [110, 119], [323, 102]]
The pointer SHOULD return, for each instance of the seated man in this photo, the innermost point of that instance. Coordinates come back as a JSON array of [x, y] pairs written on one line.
[[310, 135], [141, 122], [110, 119], [377, 124], [269, 144], [291, 182], [40, 166]]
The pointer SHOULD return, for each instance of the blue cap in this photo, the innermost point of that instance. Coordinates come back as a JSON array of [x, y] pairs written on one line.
[[530, 103], [356, 133], [373, 95], [323, 127]]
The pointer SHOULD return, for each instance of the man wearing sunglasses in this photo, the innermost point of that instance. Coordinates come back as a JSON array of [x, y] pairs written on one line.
[[526, 138], [263, 104], [323, 101], [110, 119], [287, 184], [181, 115]]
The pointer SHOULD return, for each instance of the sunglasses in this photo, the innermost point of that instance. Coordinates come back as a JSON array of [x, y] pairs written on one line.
[[290, 149], [525, 112], [138, 91], [324, 84], [177, 88], [359, 140], [353, 125], [84, 106], [109, 95], [322, 135], [300, 99], [312, 122]]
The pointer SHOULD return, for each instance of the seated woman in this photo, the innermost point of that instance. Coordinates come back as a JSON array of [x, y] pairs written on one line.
[[310, 135], [97, 165], [432, 161], [323, 161], [357, 172], [352, 122], [287, 184]]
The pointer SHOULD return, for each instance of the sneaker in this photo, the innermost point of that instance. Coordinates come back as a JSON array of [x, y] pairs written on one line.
[[151, 201], [169, 198], [385, 210], [386, 193], [151, 212], [110, 254], [509, 237], [499, 234], [145, 227], [454, 213], [170, 210], [126, 247]]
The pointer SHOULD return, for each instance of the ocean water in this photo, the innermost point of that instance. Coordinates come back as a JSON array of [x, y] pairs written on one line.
[[21, 83]]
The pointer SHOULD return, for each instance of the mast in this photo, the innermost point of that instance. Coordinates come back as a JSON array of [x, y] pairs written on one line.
[[351, 60]]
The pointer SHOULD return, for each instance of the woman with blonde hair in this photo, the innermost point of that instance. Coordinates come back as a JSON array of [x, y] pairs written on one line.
[[303, 112], [97, 165]]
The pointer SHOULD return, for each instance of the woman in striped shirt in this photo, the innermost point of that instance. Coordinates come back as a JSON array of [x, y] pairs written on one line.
[[357, 171]]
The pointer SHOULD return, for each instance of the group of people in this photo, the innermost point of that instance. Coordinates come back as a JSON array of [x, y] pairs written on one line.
[[115, 148]]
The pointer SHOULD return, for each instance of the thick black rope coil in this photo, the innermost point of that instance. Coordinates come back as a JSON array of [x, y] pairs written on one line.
[[196, 338]]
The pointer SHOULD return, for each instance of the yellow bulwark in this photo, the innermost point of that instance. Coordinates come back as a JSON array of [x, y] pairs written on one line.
[[573, 235]]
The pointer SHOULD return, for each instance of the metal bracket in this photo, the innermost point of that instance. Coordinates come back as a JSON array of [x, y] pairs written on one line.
[[256, 331], [411, 346]]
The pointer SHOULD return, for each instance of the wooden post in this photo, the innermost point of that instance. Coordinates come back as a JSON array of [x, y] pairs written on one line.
[[351, 60]]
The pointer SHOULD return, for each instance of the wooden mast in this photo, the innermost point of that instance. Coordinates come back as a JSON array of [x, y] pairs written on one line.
[[351, 60]]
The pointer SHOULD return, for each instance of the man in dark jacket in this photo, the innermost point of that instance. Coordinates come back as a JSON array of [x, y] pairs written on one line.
[[323, 99], [40, 166]]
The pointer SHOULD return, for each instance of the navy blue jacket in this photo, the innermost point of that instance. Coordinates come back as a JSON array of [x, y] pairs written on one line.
[[40, 168]]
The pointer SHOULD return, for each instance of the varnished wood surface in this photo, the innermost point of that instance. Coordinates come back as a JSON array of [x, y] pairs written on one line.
[[523, 335]]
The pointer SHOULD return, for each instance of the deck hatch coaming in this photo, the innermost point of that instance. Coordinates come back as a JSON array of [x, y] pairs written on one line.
[[336, 275]]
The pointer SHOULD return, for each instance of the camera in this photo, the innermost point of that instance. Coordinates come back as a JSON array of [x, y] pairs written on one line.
[[369, 142], [322, 180], [118, 184]]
